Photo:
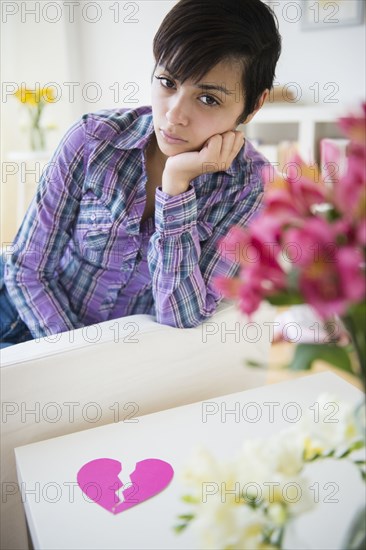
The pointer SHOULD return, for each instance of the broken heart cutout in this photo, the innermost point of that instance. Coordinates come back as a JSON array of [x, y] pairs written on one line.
[[99, 480]]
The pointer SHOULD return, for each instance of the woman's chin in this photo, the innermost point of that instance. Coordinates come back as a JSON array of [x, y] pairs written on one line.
[[171, 149]]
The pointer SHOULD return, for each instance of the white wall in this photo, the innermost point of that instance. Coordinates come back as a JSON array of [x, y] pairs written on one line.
[[33, 50], [119, 54], [326, 55]]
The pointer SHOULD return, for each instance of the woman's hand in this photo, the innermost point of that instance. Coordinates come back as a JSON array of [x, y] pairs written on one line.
[[217, 154]]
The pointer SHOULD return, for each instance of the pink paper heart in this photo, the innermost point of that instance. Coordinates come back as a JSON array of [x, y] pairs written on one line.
[[98, 479]]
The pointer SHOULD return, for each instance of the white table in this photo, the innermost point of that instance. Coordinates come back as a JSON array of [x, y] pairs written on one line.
[[60, 517]]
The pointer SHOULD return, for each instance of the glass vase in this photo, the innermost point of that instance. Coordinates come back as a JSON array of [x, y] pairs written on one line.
[[37, 138]]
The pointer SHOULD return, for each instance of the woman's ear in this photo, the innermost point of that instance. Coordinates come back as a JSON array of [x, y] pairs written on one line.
[[259, 105]]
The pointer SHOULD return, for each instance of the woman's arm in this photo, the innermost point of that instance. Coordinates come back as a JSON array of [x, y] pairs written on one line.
[[182, 269], [31, 270]]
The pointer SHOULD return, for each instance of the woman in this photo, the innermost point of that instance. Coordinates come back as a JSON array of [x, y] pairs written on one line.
[[130, 210]]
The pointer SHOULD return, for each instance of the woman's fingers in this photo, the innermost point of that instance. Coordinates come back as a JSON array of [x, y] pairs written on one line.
[[221, 149], [232, 142], [228, 140]]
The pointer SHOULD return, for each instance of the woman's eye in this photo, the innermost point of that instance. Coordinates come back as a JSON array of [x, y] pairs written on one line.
[[211, 101], [161, 78]]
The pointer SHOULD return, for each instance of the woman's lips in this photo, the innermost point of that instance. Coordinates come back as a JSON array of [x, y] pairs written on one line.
[[171, 139]]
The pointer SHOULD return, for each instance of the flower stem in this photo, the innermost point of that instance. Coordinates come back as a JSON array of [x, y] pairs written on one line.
[[358, 340]]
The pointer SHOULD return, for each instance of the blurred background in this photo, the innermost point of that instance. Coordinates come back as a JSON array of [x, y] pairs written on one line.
[[98, 55]]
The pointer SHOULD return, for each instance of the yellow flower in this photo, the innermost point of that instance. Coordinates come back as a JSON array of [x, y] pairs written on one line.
[[34, 97], [48, 95], [27, 96]]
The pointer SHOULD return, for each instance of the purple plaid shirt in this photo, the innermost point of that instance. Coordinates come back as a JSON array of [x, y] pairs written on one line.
[[81, 257]]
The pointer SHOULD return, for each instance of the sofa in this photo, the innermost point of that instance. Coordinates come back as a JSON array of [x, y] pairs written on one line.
[[113, 372]]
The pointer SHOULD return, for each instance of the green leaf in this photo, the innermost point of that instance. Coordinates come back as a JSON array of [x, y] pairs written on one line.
[[189, 499], [355, 321], [306, 354], [256, 364], [285, 298], [180, 528], [358, 445], [358, 313], [356, 536], [186, 517]]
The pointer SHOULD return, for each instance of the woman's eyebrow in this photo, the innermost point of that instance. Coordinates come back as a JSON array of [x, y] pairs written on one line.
[[206, 87], [214, 87]]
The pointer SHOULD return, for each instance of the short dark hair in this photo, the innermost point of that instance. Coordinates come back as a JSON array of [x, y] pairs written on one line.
[[197, 34]]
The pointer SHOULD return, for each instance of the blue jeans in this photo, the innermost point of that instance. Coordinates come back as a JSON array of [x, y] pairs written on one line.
[[12, 329]]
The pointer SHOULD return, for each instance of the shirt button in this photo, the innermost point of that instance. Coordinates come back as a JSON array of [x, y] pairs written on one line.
[[170, 218], [92, 217]]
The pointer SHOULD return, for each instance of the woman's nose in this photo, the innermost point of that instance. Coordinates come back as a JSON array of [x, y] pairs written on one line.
[[177, 113]]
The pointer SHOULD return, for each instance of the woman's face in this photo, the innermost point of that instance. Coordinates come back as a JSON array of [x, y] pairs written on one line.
[[195, 112]]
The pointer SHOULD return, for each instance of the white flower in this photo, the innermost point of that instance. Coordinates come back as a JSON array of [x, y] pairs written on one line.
[[204, 474], [224, 525], [281, 453], [277, 513], [286, 450], [240, 503], [328, 425]]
